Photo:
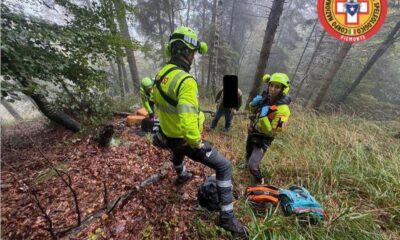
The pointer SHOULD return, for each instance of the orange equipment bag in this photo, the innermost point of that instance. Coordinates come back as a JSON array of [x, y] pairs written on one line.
[[263, 193], [134, 120], [142, 112]]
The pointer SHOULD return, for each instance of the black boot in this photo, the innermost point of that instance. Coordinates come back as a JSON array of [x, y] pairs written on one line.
[[181, 179], [228, 221]]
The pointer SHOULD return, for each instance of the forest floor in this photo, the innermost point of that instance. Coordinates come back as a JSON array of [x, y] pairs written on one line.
[[160, 210]]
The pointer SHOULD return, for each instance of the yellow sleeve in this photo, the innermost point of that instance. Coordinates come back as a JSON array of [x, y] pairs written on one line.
[[188, 111], [280, 119], [145, 101], [264, 126]]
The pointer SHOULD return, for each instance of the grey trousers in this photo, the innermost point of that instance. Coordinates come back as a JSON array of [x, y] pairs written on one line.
[[256, 146], [211, 158], [254, 161]]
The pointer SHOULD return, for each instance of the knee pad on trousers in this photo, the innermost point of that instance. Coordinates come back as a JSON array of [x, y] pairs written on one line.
[[225, 195], [226, 166]]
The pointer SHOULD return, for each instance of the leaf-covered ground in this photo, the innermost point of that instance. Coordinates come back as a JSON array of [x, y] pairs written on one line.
[[161, 210]]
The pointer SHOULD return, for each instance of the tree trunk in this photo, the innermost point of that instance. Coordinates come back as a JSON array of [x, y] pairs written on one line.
[[46, 108], [70, 95], [214, 70], [273, 22], [169, 6], [339, 59], [378, 53], [123, 25], [195, 68], [55, 115], [11, 110], [114, 73], [188, 13], [172, 15], [203, 58], [284, 23], [113, 80], [242, 53], [120, 76], [309, 64], [212, 41], [231, 22], [304, 50], [124, 75], [161, 33]]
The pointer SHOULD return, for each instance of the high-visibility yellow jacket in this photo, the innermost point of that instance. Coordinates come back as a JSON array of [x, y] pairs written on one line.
[[146, 97], [185, 120], [274, 121]]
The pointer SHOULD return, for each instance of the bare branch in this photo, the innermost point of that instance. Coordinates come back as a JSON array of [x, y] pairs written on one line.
[[59, 174], [33, 193], [121, 201], [105, 201]]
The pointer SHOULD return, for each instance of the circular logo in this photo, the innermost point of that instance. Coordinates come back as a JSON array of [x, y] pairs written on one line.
[[352, 20]]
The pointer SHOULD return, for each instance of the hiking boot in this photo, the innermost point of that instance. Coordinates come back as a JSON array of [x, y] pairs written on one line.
[[181, 179], [228, 221]]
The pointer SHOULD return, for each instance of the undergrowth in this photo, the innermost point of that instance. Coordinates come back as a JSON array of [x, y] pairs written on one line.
[[351, 166]]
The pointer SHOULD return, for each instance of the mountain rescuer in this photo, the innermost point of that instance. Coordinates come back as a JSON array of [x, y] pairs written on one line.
[[271, 113], [146, 90], [227, 112], [177, 107]]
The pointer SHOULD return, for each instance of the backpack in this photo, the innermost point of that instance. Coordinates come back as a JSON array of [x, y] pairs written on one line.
[[297, 200], [263, 194], [149, 125], [208, 194]]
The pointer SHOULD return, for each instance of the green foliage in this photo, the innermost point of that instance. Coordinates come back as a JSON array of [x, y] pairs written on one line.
[[91, 107], [34, 49], [61, 61]]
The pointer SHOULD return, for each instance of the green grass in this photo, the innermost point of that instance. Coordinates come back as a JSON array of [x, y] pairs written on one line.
[[351, 166], [49, 173]]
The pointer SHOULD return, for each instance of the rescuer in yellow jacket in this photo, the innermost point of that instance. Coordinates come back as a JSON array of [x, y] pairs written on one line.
[[146, 89], [181, 121], [271, 113]]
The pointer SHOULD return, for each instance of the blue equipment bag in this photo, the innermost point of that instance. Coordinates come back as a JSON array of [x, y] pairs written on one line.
[[297, 200]]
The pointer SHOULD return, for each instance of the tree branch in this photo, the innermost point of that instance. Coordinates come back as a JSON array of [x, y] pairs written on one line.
[[32, 192], [59, 174], [121, 201]]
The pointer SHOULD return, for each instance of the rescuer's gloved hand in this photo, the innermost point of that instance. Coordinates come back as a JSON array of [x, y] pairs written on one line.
[[256, 101], [264, 111], [201, 151]]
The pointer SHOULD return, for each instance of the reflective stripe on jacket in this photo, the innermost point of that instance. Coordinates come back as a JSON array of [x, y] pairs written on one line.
[[185, 120]]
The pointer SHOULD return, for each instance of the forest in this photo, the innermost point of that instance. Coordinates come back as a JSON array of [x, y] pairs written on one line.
[[73, 166]]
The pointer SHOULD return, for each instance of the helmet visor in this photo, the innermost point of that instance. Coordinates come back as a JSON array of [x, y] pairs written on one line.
[[185, 38]]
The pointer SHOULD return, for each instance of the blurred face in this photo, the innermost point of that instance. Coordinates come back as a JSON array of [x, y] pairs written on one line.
[[274, 89], [191, 56]]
